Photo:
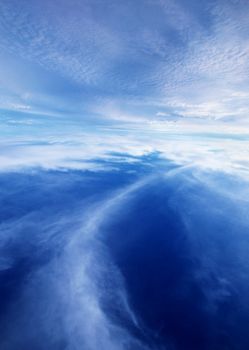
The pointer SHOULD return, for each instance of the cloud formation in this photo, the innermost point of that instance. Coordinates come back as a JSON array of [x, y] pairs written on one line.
[[163, 56]]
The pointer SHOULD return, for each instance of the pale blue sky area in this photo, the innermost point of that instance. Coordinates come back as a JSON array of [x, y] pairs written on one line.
[[143, 62]]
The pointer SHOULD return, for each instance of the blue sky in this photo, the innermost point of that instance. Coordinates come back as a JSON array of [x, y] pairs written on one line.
[[149, 256], [145, 63], [80, 80], [124, 174]]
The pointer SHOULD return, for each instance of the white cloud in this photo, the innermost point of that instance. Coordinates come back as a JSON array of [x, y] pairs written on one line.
[[172, 60], [212, 147]]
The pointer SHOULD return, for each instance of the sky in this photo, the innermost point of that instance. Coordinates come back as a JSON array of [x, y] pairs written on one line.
[[145, 255], [79, 79], [124, 174], [150, 64]]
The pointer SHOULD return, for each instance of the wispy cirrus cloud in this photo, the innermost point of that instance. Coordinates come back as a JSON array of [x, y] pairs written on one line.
[[57, 39], [188, 60]]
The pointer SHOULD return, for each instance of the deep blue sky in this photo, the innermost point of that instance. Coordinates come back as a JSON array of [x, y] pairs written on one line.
[[144, 256]]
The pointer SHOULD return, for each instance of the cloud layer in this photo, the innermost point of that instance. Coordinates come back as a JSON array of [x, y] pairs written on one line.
[[127, 62]]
